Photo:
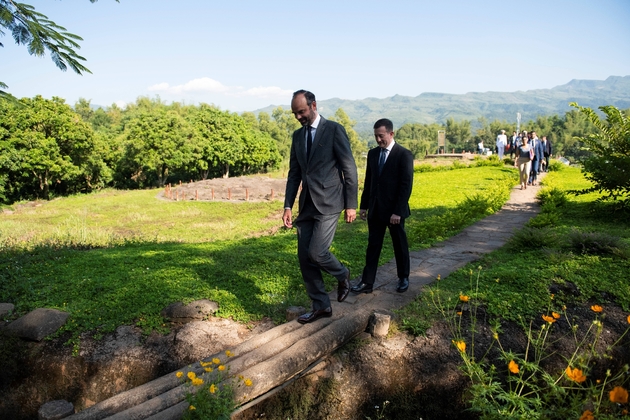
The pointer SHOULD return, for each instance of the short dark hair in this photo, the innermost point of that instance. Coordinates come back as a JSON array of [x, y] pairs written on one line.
[[384, 122], [310, 97]]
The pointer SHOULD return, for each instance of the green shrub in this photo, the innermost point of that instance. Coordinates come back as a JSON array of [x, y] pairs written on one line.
[[609, 160], [598, 243], [534, 238], [458, 164], [555, 166], [552, 196]]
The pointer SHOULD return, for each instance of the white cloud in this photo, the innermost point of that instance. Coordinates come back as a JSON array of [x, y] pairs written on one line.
[[266, 92], [206, 84], [121, 104]]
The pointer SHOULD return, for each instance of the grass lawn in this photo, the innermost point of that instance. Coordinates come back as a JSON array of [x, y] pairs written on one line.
[[119, 257], [553, 256]]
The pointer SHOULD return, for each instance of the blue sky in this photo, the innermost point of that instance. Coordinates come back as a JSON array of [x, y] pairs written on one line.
[[243, 55]]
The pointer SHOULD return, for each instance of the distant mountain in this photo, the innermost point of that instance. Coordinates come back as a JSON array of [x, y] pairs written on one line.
[[438, 107]]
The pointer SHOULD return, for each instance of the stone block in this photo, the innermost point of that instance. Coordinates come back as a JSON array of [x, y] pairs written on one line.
[[37, 324], [6, 309], [378, 325], [194, 311], [55, 410]]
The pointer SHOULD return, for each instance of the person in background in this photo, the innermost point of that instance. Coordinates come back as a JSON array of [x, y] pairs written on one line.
[[480, 147], [385, 204], [322, 163], [547, 152], [536, 146], [523, 161], [512, 144], [501, 143]]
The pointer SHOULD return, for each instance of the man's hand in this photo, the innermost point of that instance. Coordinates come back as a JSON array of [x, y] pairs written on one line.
[[351, 214], [287, 218], [363, 214], [394, 219]]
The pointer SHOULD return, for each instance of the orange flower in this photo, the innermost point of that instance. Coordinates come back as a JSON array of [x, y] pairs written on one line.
[[618, 395], [587, 415], [575, 375], [628, 319], [459, 313], [461, 345], [549, 319], [464, 298], [513, 367], [555, 315], [596, 308]]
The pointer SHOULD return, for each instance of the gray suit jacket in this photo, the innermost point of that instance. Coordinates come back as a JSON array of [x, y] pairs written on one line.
[[329, 175]]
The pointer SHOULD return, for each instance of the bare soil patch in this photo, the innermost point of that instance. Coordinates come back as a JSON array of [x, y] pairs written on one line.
[[246, 188]]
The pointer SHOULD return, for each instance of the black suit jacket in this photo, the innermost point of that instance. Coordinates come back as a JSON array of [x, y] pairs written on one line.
[[389, 192], [329, 174]]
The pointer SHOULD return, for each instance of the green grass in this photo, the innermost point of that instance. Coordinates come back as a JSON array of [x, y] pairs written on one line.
[[119, 257], [516, 281]]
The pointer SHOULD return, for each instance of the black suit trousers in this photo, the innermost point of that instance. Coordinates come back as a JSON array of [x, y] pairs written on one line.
[[316, 232], [376, 236]]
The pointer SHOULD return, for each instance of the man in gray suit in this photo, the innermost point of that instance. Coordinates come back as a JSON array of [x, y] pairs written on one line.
[[322, 162]]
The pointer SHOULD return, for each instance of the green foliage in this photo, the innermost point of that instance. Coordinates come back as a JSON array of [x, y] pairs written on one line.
[[39, 34], [598, 243], [357, 147], [608, 165], [45, 149]]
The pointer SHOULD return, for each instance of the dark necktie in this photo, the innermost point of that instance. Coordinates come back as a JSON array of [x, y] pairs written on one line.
[[309, 141], [381, 160]]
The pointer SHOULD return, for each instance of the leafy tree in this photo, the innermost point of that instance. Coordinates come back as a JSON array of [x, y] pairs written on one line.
[[39, 34], [286, 125], [157, 140], [45, 146], [419, 138], [458, 135], [609, 165], [357, 147]]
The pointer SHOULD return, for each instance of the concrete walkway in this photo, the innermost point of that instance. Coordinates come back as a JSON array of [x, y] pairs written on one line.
[[284, 352]]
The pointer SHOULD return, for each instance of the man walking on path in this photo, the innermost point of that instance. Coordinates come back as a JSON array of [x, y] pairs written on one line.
[[385, 204], [546, 144], [537, 147], [501, 143], [322, 162]]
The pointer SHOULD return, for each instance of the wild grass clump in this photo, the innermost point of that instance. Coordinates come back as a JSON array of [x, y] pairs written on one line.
[[556, 166], [492, 160], [596, 243], [534, 238]]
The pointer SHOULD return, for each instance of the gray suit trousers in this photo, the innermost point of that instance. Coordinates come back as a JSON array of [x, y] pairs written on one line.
[[315, 235]]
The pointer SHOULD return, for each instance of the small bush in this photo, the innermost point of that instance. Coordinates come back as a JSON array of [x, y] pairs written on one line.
[[544, 219], [552, 196], [534, 238], [458, 164], [555, 166], [598, 243]]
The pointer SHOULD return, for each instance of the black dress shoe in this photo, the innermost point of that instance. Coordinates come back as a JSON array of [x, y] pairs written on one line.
[[343, 288], [403, 285], [362, 288], [315, 315]]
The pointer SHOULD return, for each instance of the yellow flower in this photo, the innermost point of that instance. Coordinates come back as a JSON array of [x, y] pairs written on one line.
[[549, 319], [197, 381], [204, 364], [208, 369], [556, 315], [229, 353], [587, 415], [464, 298], [459, 313], [513, 367], [439, 278], [221, 367], [495, 336], [248, 382], [216, 361], [191, 375], [192, 407], [213, 389], [461, 345], [618, 395], [596, 308], [564, 307], [179, 374], [552, 295], [575, 375]]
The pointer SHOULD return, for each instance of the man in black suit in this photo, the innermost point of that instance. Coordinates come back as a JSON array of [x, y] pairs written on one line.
[[322, 162], [546, 152], [385, 204]]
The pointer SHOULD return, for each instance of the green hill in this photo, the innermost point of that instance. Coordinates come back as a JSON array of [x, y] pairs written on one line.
[[432, 107]]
